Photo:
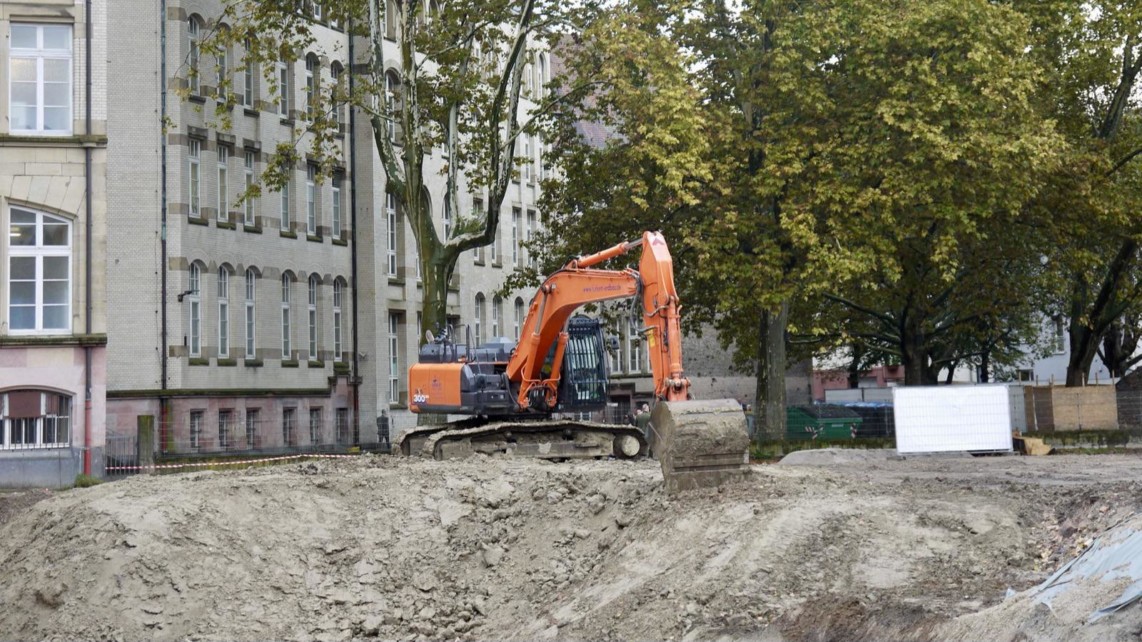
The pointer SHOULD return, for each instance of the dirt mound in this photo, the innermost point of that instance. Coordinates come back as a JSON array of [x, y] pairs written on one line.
[[833, 456], [506, 549]]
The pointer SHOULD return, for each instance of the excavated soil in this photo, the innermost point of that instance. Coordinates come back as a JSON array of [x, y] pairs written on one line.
[[830, 548]]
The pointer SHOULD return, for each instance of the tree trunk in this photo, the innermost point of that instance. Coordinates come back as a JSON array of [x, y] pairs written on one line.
[[1084, 346], [914, 355], [854, 367], [985, 366], [769, 405]]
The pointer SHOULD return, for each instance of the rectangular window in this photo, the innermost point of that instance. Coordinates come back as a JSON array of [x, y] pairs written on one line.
[[315, 426], [283, 89], [338, 295], [39, 272], [289, 426], [311, 200], [336, 231], [478, 214], [250, 203], [223, 75], [39, 76], [286, 347], [223, 184], [532, 228], [223, 313], [527, 161], [634, 351], [195, 154], [391, 214], [225, 429], [196, 429], [343, 435], [193, 293], [248, 75], [394, 358], [252, 428], [517, 250], [285, 218], [312, 312], [250, 325]]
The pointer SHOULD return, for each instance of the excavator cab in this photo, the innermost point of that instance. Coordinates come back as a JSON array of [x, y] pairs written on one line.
[[583, 382]]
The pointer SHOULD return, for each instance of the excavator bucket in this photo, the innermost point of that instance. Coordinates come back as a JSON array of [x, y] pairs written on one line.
[[700, 444]]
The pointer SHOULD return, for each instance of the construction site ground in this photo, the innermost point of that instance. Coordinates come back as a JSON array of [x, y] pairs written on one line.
[[826, 545]]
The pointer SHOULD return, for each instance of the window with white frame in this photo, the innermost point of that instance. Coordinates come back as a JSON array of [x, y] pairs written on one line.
[[527, 160], [250, 209], [336, 75], [478, 322], [285, 214], [194, 153], [40, 77], [394, 357], [392, 104], [283, 89], [634, 351], [342, 419], [532, 228], [446, 215], [34, 419], [315, 426], [336, 222], [312, 66], [194, 58], [194, 289], [518, 318], [391, 215], [251, 325], [477, 214], [517, 251], [223, 312], [539, 172], [223, 183], [311, 200], [223, 63], [196, 429], [287, 281], [338, 300], [249, 74], [497, 316], [39, 272], [311, 302]]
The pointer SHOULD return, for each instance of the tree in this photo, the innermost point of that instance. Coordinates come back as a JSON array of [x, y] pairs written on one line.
[[866, 145], [458, 92], [1091, 54]]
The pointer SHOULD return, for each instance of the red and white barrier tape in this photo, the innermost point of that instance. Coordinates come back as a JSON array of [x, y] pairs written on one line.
[[228, 463]]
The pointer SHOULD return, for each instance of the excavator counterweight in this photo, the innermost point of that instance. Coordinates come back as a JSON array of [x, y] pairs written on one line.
[[512, 393]]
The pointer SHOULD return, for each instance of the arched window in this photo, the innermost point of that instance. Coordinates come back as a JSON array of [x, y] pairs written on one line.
[[284, 88], [222, 63], [391, 18], [338, 302], [194, 295], [518, 317], [393, 223], [223, 312], [311, 302], [251, 324], [287, 282], [34, 419], [478, 324], [39, 274], [497, 316], [193, 32], [541, 76]]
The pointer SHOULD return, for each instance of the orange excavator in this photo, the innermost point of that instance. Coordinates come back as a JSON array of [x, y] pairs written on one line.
[[512, 394]]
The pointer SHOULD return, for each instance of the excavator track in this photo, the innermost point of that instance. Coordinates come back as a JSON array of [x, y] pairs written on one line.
[[544, 439]]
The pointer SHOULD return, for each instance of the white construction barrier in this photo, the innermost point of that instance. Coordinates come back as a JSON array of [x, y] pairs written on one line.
[[933, 419]]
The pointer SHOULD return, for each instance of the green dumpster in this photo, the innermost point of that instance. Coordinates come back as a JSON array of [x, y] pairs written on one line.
[[821, 421]]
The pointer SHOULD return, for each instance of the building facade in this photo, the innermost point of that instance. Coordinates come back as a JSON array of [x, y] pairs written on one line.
[[53, 207], [287, 322]]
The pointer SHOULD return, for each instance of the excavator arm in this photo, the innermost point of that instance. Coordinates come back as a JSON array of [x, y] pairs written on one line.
[[579, 283]]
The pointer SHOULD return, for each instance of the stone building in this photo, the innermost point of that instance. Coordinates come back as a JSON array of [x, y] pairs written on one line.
[[53, 207], [284, 323]]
